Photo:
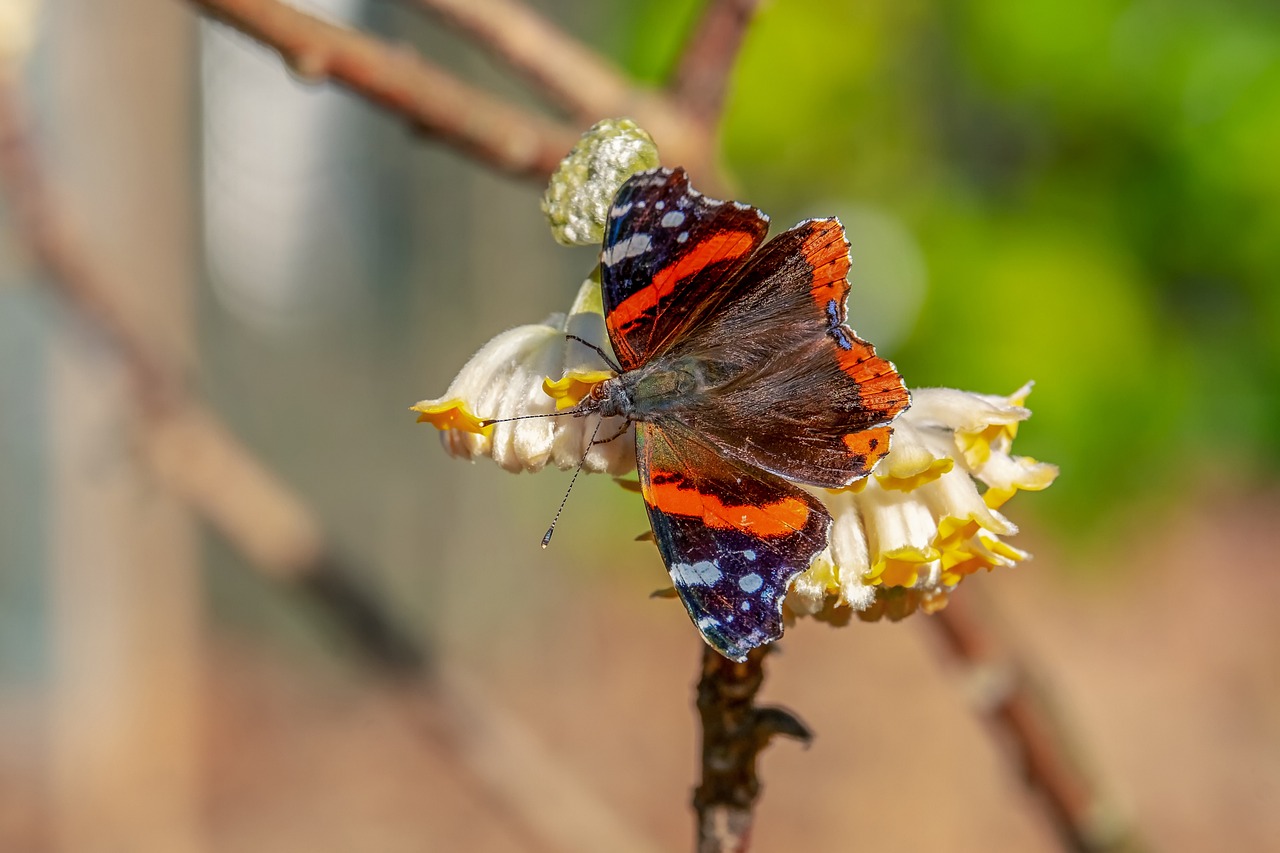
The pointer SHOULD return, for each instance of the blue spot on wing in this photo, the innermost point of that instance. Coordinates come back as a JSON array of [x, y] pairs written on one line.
[[742, 608], [834, 328]]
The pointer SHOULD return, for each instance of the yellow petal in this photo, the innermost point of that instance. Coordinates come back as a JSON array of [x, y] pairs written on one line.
[[450, 414], [912, 481], [901, 566], [570, 391]]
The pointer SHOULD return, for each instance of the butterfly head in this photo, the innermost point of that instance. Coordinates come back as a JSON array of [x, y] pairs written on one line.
[[610, 398]]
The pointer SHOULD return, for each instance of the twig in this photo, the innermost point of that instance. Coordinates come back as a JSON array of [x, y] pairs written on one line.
[[1007, 698], [701, 79], [497, 133], [189, 450], [734, 732], [565, 69]]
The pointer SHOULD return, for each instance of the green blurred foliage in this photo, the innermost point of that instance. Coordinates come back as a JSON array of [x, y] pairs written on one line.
[[1094, 186]]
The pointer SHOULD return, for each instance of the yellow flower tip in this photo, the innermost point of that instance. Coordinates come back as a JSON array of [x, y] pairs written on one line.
[[908, 482], [1029, 475], [450, 414], [1003, 549], [952, 531], [1039, 475], [901, 566], [976, 446], [573, 388], [995, 498]]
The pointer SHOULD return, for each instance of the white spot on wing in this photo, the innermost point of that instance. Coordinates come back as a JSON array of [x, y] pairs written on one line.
[[745, 606], [703, 573], [749, 554], [682, 236], [659, 204], [620, 210], [636, 244], [673, 219], [750, 583]]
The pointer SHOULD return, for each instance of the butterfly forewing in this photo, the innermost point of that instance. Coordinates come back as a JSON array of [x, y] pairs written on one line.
[[804, 396], [733, 537], [668, 252]]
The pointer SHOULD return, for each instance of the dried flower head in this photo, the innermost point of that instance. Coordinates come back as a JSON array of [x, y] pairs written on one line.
[[581, 191]]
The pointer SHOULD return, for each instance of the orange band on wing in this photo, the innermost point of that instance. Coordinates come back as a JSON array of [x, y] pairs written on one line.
[[827, 253], [861, 363], [718, 247], [776, 519], [871, 443]]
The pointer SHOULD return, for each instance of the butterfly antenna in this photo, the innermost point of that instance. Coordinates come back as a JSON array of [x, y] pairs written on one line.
[[576, 410], [604, 355], [546, 537]]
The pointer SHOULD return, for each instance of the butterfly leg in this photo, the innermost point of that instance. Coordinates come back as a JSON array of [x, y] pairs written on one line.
[[601, 352], [619, 434]]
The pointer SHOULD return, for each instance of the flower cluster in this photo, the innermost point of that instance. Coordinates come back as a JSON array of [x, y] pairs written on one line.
[[527, 372], [928, 516]]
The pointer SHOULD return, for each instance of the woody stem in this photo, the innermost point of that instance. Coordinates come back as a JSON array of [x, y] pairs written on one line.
[[734, 732]]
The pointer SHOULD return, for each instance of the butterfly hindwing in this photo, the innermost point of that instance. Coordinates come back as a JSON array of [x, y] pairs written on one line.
[[733, 537], [801, 394], [668, 251]]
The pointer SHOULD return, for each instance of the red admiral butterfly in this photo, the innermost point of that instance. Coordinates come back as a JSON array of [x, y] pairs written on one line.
[[740, 375]]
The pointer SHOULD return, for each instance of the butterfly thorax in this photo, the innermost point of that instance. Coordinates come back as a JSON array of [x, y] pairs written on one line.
[[654, 389]]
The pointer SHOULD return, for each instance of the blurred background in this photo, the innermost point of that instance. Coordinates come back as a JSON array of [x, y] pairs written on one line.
[[1084, 193]]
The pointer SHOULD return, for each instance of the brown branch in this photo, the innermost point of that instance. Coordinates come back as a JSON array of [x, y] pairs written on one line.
[[197, 458], [734, 732], [576, 77], [562, 67], [701, 79], [1017, 712], [499, 134]]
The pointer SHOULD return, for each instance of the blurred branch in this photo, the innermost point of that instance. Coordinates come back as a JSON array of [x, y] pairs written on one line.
[[565, 69], [734, 732], [701, 80], [1008, 700], [188, 449], [495, 132]]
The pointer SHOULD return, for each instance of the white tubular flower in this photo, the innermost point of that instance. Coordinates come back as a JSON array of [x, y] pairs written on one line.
[[533, 370], [909, 533]]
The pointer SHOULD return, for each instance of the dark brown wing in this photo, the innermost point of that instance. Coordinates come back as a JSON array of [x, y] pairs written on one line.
[[795, 391]]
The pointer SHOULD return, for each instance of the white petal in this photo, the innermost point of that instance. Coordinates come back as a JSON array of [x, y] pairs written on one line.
[[960, 410]]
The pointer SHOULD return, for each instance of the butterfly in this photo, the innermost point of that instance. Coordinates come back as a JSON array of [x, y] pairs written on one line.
[[742, 380]]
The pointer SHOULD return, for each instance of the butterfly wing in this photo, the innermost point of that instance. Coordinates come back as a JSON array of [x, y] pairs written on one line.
[[668, 253], [798, 393], [733, 537]]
